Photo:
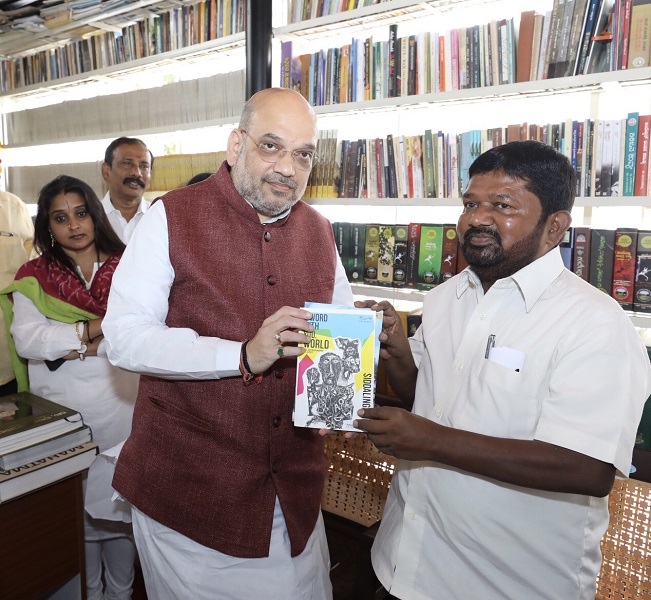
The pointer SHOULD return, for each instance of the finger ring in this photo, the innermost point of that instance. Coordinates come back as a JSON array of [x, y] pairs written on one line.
[[277, 338], [281, 352]]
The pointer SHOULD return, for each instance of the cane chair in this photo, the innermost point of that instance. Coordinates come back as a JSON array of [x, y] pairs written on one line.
[[626, 547], [356, 487]]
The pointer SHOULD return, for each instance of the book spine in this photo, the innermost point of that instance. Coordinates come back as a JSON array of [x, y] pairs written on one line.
[[413, 250], [630, 154], [624, 267], [640, 35], [581, 254], [371, 251], [602, 253], [400, 235], [358, 248], [642, 295], [642, 164], [449, 253], [429, 257]]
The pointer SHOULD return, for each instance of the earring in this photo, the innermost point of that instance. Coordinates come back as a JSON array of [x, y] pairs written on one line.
[[52, 242]]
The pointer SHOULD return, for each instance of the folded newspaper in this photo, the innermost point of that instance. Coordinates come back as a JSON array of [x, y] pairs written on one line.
[[336, 373]]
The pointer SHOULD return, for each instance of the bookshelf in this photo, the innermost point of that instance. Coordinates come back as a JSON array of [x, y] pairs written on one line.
[[126, 39], [594, 96]]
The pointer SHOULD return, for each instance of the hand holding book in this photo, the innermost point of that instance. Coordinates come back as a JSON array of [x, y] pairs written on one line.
[[278, 337]]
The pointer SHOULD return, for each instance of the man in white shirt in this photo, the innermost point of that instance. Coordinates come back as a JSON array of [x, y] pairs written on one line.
[[527, 386], [127, 172]]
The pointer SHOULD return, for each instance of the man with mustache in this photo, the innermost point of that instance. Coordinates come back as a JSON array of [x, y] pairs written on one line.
[[127, 172], [525, 386], [206, 306]]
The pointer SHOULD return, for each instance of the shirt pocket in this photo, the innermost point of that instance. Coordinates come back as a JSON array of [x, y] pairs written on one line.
[[503, 402]]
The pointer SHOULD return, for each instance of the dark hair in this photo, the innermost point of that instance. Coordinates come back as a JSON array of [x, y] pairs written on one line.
[[126, 141], [199, 177], [106, 240], [548, 173]]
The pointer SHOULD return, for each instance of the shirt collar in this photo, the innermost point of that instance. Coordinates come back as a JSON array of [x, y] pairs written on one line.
[[532, 280], [109, 208]]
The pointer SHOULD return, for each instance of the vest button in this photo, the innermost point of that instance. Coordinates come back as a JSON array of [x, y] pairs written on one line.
[[276, 422], [280, 373], [271, 280], [274, 467], [267, 236]]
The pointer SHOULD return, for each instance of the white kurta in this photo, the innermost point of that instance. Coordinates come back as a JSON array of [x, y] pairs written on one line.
[[103, 394]]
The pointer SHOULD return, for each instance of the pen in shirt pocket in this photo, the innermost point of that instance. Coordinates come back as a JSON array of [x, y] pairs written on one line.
[[7, 234], [490, 344]]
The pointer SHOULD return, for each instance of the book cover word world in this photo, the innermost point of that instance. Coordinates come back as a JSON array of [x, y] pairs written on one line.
[[336, 373]]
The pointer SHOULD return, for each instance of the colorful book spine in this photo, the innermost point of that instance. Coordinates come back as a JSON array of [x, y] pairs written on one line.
[[429, 256], [602, 253], [624, 267], [630, 154], [371, 252], [642, 295], [449, 253], [581, 253]]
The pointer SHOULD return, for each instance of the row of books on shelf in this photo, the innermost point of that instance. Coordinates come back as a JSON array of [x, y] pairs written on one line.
[[40, 442], [420, 256], [611, 158], [179, 27], [303, 10], [548, 46]]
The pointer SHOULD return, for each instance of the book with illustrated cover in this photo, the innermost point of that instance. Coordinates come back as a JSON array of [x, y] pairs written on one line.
[[336, 374], [27, 419]]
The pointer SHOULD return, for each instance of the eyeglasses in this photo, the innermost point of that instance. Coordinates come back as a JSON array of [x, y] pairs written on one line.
[[271, 153]]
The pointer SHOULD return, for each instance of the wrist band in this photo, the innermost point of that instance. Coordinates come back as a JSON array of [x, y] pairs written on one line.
[[87, 330], [245, 369]]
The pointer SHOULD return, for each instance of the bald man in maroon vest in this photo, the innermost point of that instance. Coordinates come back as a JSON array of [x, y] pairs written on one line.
[[206, 306]]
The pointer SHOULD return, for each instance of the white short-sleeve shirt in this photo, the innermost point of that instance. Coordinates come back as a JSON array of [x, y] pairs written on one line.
[[568, 368]]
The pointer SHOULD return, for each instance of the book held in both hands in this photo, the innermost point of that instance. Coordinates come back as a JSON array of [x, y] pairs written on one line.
[[337, 372]]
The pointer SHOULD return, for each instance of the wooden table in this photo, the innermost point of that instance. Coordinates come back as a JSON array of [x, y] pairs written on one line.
[[42, 541]]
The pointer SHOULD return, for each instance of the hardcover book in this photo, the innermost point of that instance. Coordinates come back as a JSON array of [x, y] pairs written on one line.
[[399, 256], [624, 267], [581, 253], [28, 419], [630, 154], [602, 252], [386, 242], [337, 372], [39, 473], [642, 296], [11, 460], [449, 253], [371, 252], [357, 249], [429, 256]]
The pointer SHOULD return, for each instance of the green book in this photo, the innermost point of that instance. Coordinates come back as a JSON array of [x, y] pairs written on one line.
[[429, 256]]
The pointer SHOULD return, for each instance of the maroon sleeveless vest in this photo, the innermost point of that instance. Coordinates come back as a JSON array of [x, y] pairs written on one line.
[[208, 457]]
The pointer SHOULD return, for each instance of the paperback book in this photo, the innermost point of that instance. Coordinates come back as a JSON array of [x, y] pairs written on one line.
[[336, 374]]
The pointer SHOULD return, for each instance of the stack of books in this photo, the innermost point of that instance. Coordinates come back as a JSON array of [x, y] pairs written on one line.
[[40, 442]]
